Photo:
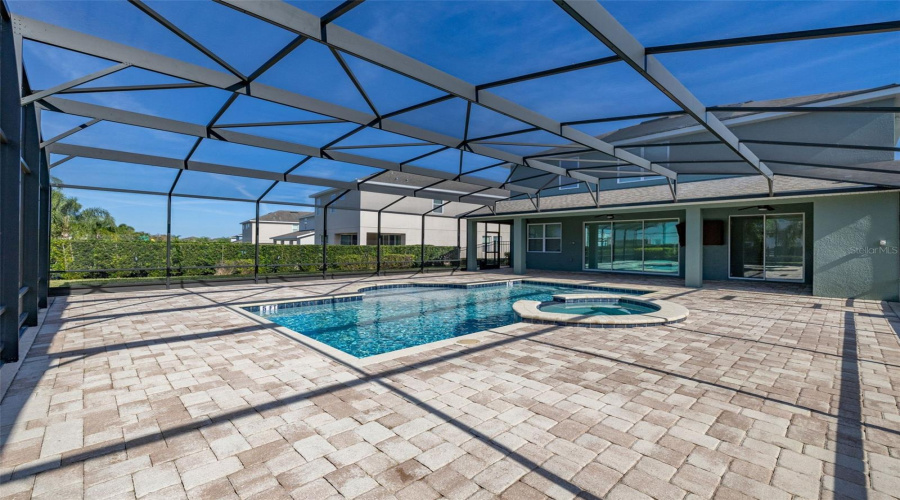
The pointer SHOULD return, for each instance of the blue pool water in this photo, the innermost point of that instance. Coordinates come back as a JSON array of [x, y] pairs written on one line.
[[595, 309], [392, 319]]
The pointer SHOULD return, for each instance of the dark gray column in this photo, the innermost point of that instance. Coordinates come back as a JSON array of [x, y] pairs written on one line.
[[378, 248], [31, 187], [10, 189], [459, 243], [169, 230], [422, 247], [256, 246], [44, 233], [325, 240]]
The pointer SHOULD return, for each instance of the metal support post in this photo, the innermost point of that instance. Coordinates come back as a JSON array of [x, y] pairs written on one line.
[[325, 240], [459, 242], [44, 233], [31, 187], [325, 231], [256, 246], [169, 230], [378, 248], [422, 246], [10, 189]]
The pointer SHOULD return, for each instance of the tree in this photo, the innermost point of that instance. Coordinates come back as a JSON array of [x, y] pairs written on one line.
[[69, 220]]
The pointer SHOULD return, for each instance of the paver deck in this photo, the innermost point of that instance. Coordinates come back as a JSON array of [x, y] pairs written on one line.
[[764, 392]]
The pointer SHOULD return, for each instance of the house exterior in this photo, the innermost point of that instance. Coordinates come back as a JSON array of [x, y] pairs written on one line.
[[353, 219], [840, 237], [275, 228]]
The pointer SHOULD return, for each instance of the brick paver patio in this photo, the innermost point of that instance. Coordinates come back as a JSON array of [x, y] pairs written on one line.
[[764, 392]]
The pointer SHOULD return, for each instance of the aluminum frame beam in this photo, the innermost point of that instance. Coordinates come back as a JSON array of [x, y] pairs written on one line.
[[195, 130], [74, 83], [87, 44], [191, 165], [600, 23], [303, 23], [787, 36]]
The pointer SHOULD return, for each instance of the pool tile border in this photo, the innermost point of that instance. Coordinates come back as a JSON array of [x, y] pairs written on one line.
[[357, 293]]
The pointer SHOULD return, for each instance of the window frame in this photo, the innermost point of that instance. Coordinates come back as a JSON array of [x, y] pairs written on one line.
[[766, 278], [543, 237], [643, 178], [340, 238], [559, 180], [611, 268]]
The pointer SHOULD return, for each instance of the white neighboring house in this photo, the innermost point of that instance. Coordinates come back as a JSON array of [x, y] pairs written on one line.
[[282, 227], [348, 225]]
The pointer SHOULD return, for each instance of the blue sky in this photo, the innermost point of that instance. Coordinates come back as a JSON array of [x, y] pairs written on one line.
[[477, 41]]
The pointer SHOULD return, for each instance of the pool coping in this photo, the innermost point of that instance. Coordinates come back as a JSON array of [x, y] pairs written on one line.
[[357, 292], [666, 312]]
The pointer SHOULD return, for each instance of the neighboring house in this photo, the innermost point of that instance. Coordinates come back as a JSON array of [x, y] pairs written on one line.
[[834, 232], [353, 220], [277, 224], [296, 238]]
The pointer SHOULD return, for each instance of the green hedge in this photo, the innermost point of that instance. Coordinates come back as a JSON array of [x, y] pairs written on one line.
[[147, 259]]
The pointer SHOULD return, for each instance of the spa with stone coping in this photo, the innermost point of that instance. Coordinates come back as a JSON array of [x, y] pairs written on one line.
[[661, 312]]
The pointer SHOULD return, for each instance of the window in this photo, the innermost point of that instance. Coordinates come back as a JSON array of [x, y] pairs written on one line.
[[545, 238], [564, 183], [295, 228], [391, 239], [437, 206], [348, 239], [649, 246], [246, 226], [332, 209], [386, 239], [655, 154]]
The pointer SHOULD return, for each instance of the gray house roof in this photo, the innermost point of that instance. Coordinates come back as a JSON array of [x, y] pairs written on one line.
[[701, 191], [671, 123]]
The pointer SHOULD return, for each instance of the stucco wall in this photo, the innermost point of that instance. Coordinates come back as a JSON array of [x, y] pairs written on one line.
[[267, 231], [848, 261]]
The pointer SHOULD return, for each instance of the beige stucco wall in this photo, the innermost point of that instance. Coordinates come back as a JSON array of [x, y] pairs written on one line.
[[439, 230], [267, 231]]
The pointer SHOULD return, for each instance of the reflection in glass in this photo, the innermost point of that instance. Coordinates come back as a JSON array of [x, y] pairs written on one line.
[[553, 238], [661, 246], [784, 247], [641, 246], [597, 245], [747, 247], [628, 246], [536, 238], [767, 247]]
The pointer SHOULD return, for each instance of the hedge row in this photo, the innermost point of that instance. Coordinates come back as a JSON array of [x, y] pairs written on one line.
[[148, 258]]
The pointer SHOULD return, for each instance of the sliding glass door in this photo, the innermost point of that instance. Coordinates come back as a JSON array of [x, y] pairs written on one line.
[[766, 247], [647, 246]]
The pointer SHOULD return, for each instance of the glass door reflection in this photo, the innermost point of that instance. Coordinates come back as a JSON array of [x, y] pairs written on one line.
[[766, 247]]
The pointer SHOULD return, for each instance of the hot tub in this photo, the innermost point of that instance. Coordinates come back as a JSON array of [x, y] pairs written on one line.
[[600, 310]]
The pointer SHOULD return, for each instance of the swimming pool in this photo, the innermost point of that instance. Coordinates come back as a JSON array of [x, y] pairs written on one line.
[[389, 319]]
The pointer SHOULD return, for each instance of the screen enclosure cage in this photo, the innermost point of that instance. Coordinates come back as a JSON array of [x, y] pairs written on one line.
[[192, 109]]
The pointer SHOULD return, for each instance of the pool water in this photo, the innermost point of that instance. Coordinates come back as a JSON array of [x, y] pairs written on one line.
[[392, 319], [596, 309]]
